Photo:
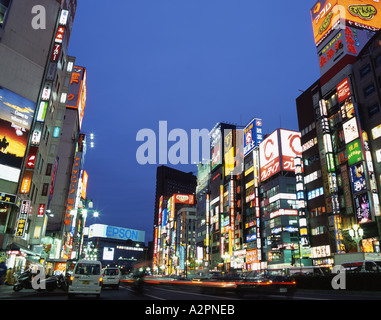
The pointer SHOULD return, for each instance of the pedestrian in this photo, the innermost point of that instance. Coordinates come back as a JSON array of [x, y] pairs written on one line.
[[3, 271], [9, 277]]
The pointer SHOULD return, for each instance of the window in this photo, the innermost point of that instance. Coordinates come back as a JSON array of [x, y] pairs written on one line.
[[377, 61], [4, 4], [373, 110], [369, 90], [364, 70], [37, 232], [318, 230], [45, 189], [88, 269]]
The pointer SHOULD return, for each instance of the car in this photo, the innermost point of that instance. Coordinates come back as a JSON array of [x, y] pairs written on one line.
[[111, 277], [86, 278], [362, 266], [267, 281]]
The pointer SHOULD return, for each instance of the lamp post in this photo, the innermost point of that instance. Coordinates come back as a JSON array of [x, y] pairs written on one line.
[[356, 234]]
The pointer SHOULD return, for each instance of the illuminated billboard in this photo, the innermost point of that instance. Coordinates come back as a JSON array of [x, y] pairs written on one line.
[[329, 15], [351, 131], [183, 198], [252, 135], [105, 231], [16, 116], [269, 156], [291, 147], [348, 41], [229, 146], [76, 98], [216, 147], [362, 205], [85, 178]]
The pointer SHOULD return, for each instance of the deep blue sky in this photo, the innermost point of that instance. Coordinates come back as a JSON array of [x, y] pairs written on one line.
[[192, 63]]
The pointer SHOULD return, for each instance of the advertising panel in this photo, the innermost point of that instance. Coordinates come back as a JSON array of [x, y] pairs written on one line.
[[23, 217], [73, 187], [343, 90], [105, 231], [183, 198], [358, 178], [108, 253], [252, 135], [26, 182], [291, 147], [203, 175], [85, 178], [16, 116], [229, 145], [216, 147], [164, 219], [348, 41], [362, 206], [354, 152], [76, 98], [269, 156], [351, 131], [326, 16]]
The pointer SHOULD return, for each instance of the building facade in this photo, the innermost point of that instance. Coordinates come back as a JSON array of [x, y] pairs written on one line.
[[35, 82]]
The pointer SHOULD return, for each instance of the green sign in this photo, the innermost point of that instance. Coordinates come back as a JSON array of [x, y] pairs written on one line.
[[354, 151]]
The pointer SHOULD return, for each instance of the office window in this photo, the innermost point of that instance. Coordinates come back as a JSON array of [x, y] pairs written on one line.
[[372, 110], [377, 61], [364, 70], [45, 189], [369, 90]]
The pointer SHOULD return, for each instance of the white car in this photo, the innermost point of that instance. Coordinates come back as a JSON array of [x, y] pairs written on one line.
[[111, 277], [86, 278]]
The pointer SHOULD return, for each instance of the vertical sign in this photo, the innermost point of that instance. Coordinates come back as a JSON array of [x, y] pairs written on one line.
[[23, 217]]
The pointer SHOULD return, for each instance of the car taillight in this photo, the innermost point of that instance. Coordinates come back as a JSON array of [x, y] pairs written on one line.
[[100, 281], [71, 280]]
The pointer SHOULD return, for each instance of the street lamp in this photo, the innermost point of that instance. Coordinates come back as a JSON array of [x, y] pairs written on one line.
[[356, 234]]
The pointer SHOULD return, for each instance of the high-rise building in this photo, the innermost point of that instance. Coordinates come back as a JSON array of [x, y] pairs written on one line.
[[34, 81], [170, 181], [278, 198], [336, 116]]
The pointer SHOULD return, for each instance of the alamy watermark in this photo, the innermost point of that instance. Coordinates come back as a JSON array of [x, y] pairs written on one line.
[[185, 149], [39, 18]]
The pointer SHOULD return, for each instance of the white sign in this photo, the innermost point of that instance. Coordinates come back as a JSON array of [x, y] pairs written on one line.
[[351, 131]]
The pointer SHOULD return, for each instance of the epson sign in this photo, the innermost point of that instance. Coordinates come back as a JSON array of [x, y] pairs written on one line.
[[104, 231]]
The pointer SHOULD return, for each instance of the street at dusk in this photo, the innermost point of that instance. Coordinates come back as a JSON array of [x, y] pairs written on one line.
[[190, 158]]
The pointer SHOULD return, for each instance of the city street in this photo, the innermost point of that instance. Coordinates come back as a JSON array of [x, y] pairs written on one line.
[[174, 293]]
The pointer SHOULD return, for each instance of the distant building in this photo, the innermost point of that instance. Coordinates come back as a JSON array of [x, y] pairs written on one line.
[[114, 246]]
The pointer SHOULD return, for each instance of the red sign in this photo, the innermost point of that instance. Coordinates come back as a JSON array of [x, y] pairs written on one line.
[[60, 35], [343, 90], [31, 160], [41, 210], [184, 198], [291, 147], [269, 156], [56, 52]]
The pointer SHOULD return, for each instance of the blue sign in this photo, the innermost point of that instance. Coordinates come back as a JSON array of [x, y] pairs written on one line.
[[164, 218], [252, 135], [125, 234], [358, 178]]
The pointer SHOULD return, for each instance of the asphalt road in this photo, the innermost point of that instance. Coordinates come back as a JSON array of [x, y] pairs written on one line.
[[172, 293]]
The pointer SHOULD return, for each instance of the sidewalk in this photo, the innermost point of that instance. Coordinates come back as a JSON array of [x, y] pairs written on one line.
[[7, 292]]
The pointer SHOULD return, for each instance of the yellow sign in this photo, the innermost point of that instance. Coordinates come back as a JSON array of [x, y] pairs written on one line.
[[327, 15]]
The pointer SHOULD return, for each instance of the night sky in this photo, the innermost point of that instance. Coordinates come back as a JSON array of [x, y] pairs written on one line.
[[192, 63]]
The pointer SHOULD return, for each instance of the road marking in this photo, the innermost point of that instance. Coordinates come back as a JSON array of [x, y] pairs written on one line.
[[144, 294], [200, 294]]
